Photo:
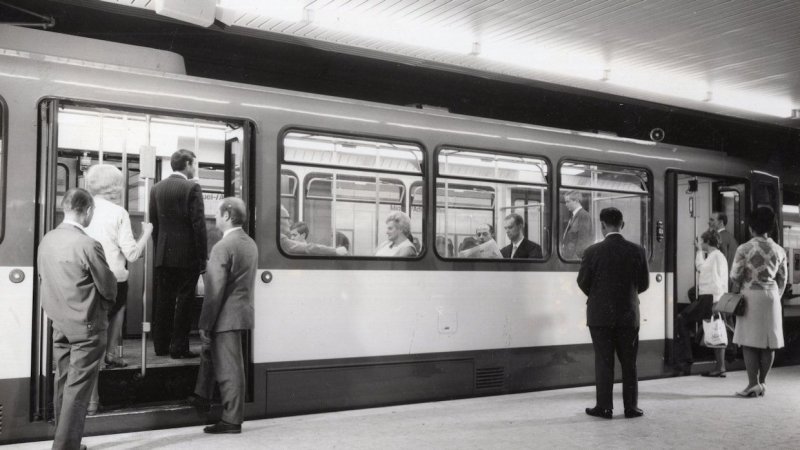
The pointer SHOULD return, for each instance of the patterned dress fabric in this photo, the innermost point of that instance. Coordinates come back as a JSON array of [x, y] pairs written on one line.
[[759, 267]]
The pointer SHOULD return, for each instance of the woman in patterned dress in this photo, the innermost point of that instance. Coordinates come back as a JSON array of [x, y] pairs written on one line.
[[759, 272]]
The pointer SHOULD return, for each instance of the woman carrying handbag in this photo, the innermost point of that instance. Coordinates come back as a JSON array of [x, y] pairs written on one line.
[[759, 268]]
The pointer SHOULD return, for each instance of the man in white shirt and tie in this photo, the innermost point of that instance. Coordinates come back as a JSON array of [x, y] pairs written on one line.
[[578, 233], [520, 247]]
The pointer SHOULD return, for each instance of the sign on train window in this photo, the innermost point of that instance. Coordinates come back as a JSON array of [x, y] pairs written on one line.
[[491, 206], [358, 197], [585, 190]]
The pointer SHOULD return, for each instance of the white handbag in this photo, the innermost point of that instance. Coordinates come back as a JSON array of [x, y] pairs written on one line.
[[715, 334]]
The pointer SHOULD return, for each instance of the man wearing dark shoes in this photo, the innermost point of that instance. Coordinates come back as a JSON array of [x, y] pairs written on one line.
[[227, 312], [613, 273]]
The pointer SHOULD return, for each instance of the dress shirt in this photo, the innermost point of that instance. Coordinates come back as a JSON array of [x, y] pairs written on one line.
[[229, 231], [713, 278], [515, 245], [111, 227]]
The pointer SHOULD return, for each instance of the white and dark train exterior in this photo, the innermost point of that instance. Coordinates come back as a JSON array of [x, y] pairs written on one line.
[[353, 332]]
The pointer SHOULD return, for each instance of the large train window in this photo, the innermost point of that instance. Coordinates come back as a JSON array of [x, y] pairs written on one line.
[[359, 197], [588, 188], [491, 205]]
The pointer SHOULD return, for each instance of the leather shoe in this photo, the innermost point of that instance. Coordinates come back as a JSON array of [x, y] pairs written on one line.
[[185, 355], [223, 427], [631, 413], [599, 412]]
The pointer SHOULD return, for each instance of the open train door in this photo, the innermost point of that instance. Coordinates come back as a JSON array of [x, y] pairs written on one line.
[[765, 190]]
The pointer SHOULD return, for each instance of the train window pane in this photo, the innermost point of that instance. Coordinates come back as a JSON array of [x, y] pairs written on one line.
[[352, 211], [350, 152], [589, 188], [491, 206], [473, 164]]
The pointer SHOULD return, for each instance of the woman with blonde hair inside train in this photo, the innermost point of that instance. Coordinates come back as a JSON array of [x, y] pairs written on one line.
[[111, 226], [398, 227]]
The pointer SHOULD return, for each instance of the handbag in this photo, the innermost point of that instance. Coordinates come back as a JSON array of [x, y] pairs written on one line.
[[730, 304], [715, 333]]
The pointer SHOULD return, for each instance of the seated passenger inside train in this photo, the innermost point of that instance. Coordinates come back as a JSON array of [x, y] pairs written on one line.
[[296, 247], [520, 247], [486, 248], [399, 241]]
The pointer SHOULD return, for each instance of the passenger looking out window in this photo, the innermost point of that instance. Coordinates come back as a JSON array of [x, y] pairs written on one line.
[[520, 247]]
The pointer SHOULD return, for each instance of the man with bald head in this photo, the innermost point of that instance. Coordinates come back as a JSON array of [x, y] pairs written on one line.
[[227, 313]]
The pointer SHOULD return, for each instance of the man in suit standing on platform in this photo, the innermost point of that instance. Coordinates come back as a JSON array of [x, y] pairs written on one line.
[[227, 313], [179, 234], [520, 247], [613, 273], [77, 289], [727, 243], [578, 233]]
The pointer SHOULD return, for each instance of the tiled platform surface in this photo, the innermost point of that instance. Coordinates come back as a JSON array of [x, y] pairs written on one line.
[[687, 412]]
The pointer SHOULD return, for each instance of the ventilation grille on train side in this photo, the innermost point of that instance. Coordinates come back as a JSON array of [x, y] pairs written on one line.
[[490, 378]]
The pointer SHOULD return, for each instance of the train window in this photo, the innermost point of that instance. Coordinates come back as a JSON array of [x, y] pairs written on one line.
[[588, 188], [491, 205], [359, 197]]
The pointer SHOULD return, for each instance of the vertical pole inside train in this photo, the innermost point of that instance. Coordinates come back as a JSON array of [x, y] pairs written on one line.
[[693, 215], [147, 171]]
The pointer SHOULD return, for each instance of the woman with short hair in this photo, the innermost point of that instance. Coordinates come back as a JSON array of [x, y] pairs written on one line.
[[398, 227], [759, 273], [111, 226]]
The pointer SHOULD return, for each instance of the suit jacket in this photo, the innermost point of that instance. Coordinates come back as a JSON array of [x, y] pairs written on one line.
[[179, 223], [728, 246], [76, 285], [613, 273], [229, 282], [578, 235], [526, 249]]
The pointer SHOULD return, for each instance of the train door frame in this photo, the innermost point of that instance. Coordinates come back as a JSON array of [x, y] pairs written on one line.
[[47, 158], [671, 249]]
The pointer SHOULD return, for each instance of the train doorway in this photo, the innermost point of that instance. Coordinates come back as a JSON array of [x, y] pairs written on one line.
[[694, 199], [76, 136]]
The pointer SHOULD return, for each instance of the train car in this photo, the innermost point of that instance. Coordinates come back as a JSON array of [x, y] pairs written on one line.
[[448, 320]]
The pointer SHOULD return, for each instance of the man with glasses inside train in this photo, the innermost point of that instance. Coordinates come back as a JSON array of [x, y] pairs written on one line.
[[487, 247], [77, 289]]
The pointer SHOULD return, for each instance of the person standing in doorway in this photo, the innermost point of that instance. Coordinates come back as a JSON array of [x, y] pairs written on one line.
[[613, 273], [578, 232], [77, 289], [179, 234], [227, 313], [727, 243]]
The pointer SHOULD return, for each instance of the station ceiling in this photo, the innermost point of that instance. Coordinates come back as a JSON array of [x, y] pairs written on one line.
[[738, 58]]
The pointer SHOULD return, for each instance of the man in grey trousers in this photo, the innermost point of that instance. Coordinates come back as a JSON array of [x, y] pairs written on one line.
[[227, 312], [77, 289]]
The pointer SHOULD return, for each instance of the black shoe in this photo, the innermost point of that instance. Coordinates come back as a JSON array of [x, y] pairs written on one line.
[[184, 355], [631, 413], [599, 412], [714, 374], [201, 404], [223, 427]]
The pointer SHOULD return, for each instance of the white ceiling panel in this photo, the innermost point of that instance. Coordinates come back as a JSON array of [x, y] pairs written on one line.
[[731, 57]]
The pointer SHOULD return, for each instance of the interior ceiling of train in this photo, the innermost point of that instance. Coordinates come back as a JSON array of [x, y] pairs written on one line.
[[717, 74], [738, 58]]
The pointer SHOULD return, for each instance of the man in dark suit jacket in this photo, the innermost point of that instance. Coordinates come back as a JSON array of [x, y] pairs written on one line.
[[520, 247], [179, 234], [727, 243], [578, 233], [613, 273], [77, 289], [227, 314]]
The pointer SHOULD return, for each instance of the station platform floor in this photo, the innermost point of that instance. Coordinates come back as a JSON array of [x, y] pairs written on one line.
[[686, 412]]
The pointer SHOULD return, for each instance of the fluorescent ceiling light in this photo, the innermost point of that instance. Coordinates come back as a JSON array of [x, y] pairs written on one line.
[[228, 11], [661, 82], [386, 29], [751, 101], [545, 59]]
